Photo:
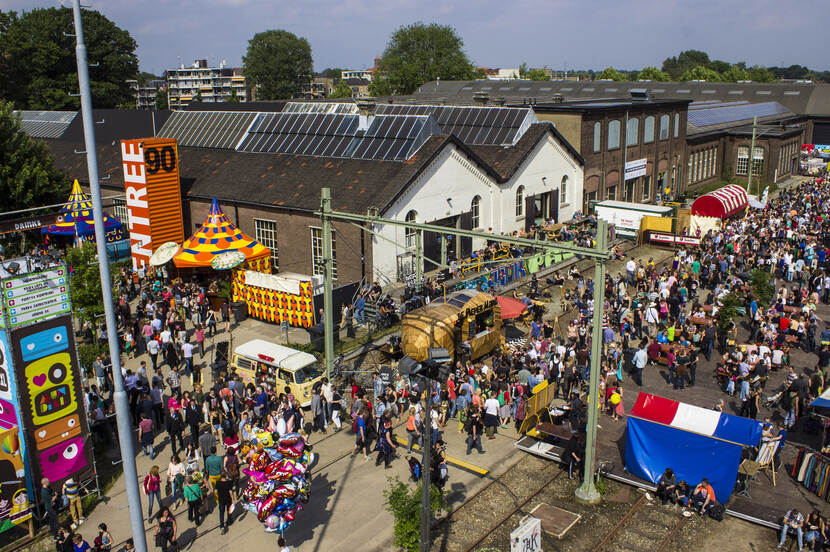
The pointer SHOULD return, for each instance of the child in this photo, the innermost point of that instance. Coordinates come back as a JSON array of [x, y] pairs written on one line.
[[282, 545]]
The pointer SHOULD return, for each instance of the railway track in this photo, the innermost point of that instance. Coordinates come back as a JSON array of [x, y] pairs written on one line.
[[645, 526], [493, 505]]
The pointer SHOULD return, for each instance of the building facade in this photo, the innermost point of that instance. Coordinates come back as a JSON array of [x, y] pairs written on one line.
[[145, 93], [207, 84]]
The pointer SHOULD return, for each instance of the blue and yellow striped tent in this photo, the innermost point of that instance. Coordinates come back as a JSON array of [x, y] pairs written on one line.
[[76, 220]]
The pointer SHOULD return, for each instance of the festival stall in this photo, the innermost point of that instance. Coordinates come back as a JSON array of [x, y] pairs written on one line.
[[463, 319], [216, 236], [709, 210], [276, 297], [695, 442], [75, 222]]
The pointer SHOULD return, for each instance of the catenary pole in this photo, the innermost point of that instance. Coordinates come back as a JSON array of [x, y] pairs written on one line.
[[587, 492], [426, 472], [751, 157], [328, 277], [419, 259], [122, 413]]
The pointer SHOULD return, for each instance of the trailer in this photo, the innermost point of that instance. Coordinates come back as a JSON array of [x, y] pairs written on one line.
[[626, 217]]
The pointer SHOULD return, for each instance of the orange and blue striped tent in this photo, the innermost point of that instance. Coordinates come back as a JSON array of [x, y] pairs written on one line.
[[76, 219], [217, 235]]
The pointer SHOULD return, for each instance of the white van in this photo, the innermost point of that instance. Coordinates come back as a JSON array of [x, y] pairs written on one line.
[[261, 361]]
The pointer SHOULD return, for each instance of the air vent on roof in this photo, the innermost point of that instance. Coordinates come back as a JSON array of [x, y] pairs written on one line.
[[481, 97], [545, 89], [486, 87], [566, 89], [658, 90], [736, 92], [683, 91], [524, 88], [505, 87], [499, 100], [587, 89], [707, 91], [638, 94], [558, 98], [467, 88], [764, 92], [792, 93], [610, 90]]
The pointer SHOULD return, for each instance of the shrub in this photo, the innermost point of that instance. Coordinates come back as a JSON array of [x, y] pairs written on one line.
[[404, 503]]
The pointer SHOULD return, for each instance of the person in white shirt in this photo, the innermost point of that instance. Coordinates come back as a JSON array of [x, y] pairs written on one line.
[[187, 353], [630, 269], [491, 416]]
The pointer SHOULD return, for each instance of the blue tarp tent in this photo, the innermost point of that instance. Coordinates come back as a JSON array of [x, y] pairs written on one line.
[[695, 442]]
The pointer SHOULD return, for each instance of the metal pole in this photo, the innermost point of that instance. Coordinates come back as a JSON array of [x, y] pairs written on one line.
[[443, 239], [419, 259], [328, 284], [587, 492], [122, 412], [426, 474], [751, 155]]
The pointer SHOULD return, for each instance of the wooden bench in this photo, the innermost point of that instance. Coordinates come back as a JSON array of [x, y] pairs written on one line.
[[790, 308], [707, 308], [700, 321]]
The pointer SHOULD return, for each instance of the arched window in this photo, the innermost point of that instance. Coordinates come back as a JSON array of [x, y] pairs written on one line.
[[664, 127], [563, 190], [411, 216], [597, 136], [520, 201], [613, 134], [475, 208], [631, 130], [648, 130]]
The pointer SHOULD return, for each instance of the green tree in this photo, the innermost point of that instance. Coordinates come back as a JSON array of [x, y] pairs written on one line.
[[85, 283], [653, 74], [685, 61], [538, 75], [735, 74], [198, 96], [27, 176], [419, 53], [161, 99], [333, 73], [341, 90], [760, 74], [523, 70], [234, 97], [701, 73], [762, 286], [277, 63], [404, 503], [38, 69], [719, 66], [144, 77], [609, 73]]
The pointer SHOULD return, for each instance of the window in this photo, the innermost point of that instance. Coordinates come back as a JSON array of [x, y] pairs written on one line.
[[648, 130], [646, 187], [613, 134], [664, 127], [411, 216], [317, 267], [742, 166], [265, 232], [563, 190], [676, 125], [714, 161], [597, 136], [520, 201], [758, 162], [475, 209], [119, 209], [611, 192], [631, 129]]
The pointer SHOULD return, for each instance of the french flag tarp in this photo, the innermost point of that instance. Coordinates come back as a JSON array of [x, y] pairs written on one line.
[[695, 442]]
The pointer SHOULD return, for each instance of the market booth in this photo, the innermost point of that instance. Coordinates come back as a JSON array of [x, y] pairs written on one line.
[[695, 442], [466, 317], [75, 222], [709, 210]]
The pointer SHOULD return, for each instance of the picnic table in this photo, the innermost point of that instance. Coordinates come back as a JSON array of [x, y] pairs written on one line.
[[700, 320]]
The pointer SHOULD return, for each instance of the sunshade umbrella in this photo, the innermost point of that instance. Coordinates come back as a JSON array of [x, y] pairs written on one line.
[[510, 308], [227, 260], [164, 253]]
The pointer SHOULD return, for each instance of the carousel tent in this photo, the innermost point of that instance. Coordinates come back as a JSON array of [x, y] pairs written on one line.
[[721, 203], [76, 220], [217, 235]]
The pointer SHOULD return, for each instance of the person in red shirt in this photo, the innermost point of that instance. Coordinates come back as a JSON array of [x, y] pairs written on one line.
[[783, 324]]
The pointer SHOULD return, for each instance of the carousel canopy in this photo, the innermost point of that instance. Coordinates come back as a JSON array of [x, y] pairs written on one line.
[[217, 235], [77, 219], [721, 203]]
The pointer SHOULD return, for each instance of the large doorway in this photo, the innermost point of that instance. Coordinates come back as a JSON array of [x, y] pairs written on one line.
[[457, 247]]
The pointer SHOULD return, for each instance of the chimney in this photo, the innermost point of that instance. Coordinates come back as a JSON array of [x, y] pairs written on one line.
[[481, 97], [499, 101], [366, 113]]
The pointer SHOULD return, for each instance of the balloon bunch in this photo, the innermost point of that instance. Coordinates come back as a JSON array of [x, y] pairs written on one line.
[[279, 482]]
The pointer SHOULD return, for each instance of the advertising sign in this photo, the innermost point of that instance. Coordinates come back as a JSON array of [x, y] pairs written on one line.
[[48, 380], [527, 537], [36, 296], [635, 168], [154, 202], [672, 240], [14, 499]]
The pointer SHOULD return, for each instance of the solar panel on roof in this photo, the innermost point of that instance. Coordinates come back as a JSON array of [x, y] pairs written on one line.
[[207, 129], [45, 124], [741, 111], [714, 103]]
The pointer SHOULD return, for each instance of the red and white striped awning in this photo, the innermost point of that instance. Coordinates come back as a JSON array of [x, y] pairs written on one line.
[[721, 203]]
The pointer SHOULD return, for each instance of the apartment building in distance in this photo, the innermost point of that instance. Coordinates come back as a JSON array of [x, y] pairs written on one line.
[[145, 93], [202, 83]]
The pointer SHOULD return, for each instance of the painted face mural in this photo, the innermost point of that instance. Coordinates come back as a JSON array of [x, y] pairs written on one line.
[[63, 459], [49, 378], [5, 384], [55, 432]]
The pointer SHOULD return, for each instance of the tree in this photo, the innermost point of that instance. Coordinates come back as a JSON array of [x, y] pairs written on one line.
[[38, 69], [538, 75], [419, 53], [653, 74], [85, 283], [760, 74], [685, 61], [144, 77], [719, 66], [333, 73], [762, 286], [27, 176], [701, 73], [341, 90], [197, 97], [523, 70], [735, 74], [609, 73], [404, 503], [234, 97], [161, 99], [277, 64]]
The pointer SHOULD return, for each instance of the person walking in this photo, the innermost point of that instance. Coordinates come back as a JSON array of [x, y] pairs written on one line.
[[47, 499], [152, 488], [361, 433], [145, 435], [166, 529], [473, 426], [384, 445], [176, 473], [224, 498], [213, 468], [413, 435], [71, 491], [193, 417], [193, 496], [318, 415], [175, 429]]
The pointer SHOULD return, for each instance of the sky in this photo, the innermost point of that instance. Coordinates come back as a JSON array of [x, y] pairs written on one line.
[[626, 34]]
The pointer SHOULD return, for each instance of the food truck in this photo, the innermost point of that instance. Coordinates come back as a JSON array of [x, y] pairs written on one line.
[[466, 322], [260, 361]]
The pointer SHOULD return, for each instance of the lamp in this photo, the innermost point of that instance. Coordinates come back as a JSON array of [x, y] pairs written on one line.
[[544, 181]]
